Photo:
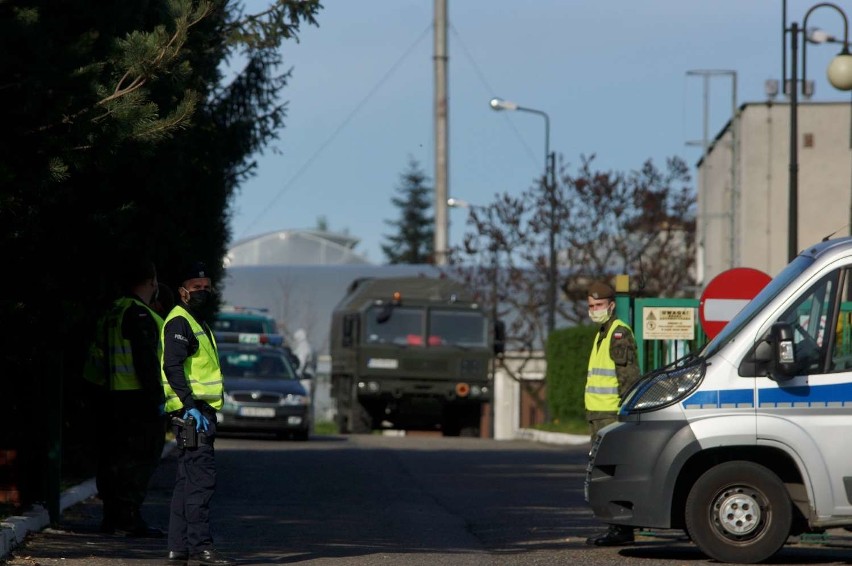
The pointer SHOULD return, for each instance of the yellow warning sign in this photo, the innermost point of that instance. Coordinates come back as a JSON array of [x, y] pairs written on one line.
[[668, 323]]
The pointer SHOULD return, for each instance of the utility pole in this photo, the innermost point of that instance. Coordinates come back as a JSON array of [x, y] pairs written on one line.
[[704, 216], [441, 137]]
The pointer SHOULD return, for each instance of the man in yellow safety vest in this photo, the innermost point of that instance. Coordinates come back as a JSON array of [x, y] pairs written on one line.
[[613, 369], [193, 385], [124, 369]]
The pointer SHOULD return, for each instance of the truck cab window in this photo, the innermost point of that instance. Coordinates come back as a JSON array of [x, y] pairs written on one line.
[[404, 327], [350, 330], [457, 328]]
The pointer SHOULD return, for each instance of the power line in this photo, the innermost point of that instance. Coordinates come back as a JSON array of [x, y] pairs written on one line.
[[338, 130], [492, 93]]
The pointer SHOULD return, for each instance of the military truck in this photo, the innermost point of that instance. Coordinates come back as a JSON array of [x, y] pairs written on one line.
[[411, 353]]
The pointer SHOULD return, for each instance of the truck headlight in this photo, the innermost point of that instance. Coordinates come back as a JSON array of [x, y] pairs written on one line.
[[369, 387], [293, 400], [478, 390], [663, 388]]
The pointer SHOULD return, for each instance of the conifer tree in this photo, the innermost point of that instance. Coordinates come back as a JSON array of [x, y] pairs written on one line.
[[413, 240], [122, 135]]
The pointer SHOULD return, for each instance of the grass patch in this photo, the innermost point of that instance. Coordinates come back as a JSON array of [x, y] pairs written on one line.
[[571, 426], [325, 427]]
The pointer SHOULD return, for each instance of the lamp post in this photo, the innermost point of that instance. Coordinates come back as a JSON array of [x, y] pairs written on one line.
[[840, 77], [549, 187]]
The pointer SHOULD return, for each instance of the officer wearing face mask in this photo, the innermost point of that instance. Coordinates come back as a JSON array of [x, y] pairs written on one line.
[[193, 385], [613, 369]]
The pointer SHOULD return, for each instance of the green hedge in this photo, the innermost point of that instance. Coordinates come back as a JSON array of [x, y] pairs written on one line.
[[568, 352]]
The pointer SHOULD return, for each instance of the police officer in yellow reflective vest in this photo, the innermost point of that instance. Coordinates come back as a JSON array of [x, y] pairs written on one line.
[[613, 368], [193, 385], [124, 367]]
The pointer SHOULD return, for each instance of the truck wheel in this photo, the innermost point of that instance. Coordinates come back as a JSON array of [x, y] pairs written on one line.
[[301, 435], [469, 431], [360, 421], [739, 512]]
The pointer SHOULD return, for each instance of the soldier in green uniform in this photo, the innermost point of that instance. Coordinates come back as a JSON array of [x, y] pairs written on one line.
[[613, 369]]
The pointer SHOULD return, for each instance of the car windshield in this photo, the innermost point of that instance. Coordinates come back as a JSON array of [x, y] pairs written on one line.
[[457, 328], [267, 363]]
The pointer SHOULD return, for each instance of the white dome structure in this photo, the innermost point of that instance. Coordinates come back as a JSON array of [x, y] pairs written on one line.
[[295, 247]]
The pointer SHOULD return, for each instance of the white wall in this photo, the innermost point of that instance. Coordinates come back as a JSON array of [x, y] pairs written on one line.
[[762, 157]]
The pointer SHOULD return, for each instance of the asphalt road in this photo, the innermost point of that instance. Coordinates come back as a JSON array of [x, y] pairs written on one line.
[[375, 500]]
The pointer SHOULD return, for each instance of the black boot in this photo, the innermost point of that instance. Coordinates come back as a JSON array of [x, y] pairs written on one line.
[[616, 535], [209, 558]]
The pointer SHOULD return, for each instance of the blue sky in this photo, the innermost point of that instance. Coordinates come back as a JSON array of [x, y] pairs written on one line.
[[611, 75]]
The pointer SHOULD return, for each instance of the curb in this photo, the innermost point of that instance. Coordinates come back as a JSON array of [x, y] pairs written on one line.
[[550, 437], [13, 529]]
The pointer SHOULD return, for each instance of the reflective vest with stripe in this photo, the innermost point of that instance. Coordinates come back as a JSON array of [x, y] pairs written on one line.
[[203, 374], [601, 380], [114, 360]]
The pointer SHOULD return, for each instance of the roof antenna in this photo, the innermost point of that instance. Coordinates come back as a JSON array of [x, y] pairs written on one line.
[[835, 232]]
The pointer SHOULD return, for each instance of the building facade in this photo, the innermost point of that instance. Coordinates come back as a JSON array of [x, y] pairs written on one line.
[[743, 186]]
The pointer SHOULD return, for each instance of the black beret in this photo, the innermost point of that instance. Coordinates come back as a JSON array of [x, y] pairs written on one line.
[[601, 290], [195, 270]]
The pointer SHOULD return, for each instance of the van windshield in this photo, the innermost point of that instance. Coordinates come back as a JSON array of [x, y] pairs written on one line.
[[778, 284]]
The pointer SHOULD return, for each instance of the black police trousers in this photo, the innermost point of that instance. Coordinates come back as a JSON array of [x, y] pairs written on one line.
[[189, 517], [127, 458]]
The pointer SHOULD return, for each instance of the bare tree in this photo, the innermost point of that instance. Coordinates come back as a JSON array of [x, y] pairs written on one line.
[[641, 223]]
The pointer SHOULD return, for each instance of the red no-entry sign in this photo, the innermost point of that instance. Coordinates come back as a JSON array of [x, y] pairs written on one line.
[[726, 295]]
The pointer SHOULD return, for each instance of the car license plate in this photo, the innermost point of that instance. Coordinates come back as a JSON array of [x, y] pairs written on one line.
[[294, 420], [257, 412]]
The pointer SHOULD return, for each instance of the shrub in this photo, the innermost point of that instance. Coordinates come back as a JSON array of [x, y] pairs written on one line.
[[568, 352]]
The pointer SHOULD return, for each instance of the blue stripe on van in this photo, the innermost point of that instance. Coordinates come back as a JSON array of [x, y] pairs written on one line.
[[838, 394], [740, 398], [801, 396]]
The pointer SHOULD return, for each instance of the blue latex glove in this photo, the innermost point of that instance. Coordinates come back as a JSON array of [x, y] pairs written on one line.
[[201, 422]]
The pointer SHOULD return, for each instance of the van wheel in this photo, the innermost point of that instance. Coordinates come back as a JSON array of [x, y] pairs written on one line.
[[739, 512]]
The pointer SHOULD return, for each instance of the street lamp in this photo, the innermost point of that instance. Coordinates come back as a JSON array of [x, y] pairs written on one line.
[[550, 187], [840, 77]]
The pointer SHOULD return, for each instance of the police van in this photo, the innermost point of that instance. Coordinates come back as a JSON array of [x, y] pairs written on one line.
[[749, 440]]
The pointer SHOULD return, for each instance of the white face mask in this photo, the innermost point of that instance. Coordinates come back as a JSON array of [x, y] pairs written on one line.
[[599, 316]]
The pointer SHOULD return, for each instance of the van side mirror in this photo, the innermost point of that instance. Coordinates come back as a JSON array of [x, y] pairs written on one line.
[[499, 337], [783, 364]]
